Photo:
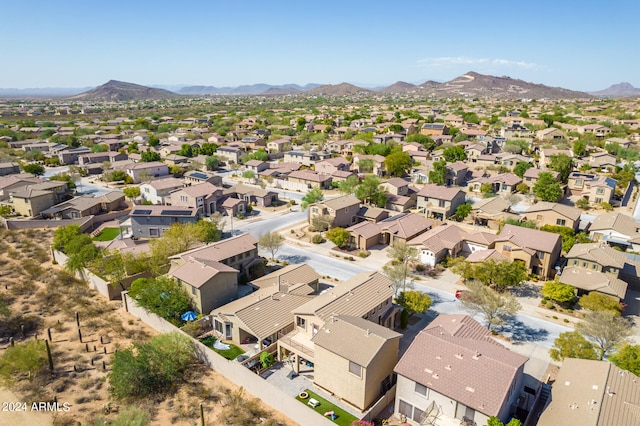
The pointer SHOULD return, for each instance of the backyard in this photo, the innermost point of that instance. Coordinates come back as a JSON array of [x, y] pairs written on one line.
[[107, 234], [229, 354], [341, 417]]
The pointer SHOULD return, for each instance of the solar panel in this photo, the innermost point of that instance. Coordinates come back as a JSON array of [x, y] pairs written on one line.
[[199, 175], [141, 212], [176, 213]]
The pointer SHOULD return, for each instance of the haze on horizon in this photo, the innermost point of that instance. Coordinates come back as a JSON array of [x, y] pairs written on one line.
[[85, 44]]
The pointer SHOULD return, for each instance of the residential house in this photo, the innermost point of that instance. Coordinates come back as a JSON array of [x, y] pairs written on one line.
[[439, 202], [86, 205], [195, 177], [277, 146], [256, 166], [501, 184], [225, 262], [157, 191], [596, 129], [399, 228], [230, 154], [511, 160], [538, 250], [340, 211], [621, 142], [474, 151], [332, 165], [354, 359], [9, 168], [367, 295], [551, 134], [603, 161], [265, 314], [439, 242], [597, 189], [71, 155], [456, 174], [617, 230], [311, 179], [9, 184], [377, 161], [153, 221], [306, 158], [554, 214], [30, 200], [203, 197], [176, 160], [546, 155], [101, 157], [336, 147], [592, 393], [532, 175], [400, 196], [253, 195], [454, 369], [595, 267], [490, 212], [153, 169]]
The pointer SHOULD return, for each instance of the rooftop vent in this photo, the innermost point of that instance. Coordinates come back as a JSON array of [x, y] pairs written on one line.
[[469, 389]]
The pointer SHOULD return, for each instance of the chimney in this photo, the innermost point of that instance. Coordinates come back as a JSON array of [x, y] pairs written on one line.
[[367, 331]]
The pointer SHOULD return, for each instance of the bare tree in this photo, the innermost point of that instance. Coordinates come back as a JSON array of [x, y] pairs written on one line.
[[495, 307], [606, 329], [403, 254], [271, 241]]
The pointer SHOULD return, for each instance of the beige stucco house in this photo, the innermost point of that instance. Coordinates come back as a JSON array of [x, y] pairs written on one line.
[[556, 214], [342, 211], [538, 250]]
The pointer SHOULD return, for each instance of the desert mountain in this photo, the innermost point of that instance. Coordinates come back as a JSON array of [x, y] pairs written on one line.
[[474, 85], [399, 87], [342, 89], [251, 89], [620, 90], [120, 91]]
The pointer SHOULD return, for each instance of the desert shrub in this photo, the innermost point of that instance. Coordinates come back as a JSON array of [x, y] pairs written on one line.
[[317, 239], [129, 416], [363, 254], [25, 359]]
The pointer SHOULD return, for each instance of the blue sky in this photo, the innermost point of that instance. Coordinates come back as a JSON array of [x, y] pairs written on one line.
[[580, 45]]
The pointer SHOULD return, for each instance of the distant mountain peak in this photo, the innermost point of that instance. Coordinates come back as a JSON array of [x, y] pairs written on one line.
[[114, 90], [620, 90]]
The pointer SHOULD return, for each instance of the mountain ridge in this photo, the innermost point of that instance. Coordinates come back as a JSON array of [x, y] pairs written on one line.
[[115, 90], [619, 90]]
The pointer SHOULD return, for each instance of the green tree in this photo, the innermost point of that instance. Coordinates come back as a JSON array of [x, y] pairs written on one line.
[[212, 162], [454, 153], [271, 241], [63, 235], [627, 358], [26, 359], [583, 204], [152, 368], [414, 301], [561, 293], [521, 168], [398, 163], [153, 141], [494, 421], [606, 329], [185, 150], [371, 192], [562, 164], [596, 301], [462, 211], [34, 168], [349, 185], [437, 176], [338, 236], [572, 344], [315, 195], [208, 231], [495, 307], [365, 165], [150, 156], [424, 140], [522, 188], [486, 188], [547, 188], [163, 296], [501, 274], [579, 148], [248, 174], [131, 192]]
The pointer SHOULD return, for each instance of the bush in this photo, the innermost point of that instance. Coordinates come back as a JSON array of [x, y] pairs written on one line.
[[404, 319], [266, 359], [363, 254], [317, 239], [147, 369], [24, 359], [549, 305]]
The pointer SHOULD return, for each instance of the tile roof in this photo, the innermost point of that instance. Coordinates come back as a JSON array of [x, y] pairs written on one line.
[[493, 205], [617, 221], [223, 249], [290, 275], [341, 202], [439, 238], [566, 211], [405, 225], [593, 393], [354, 297], [201, 189], [439, 192], [270, 314], [590, 280], [196, 272], [456, 356], [489, 254], [354, 338], [529, 238], [603, 254], [165, 183]]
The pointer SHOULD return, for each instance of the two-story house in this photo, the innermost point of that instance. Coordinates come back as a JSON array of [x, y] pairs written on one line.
[[454, 371], [439, 202], [538, 250], [501, 184], [158, 190], [341, 211], [203, 197], [617, 230], [153, 169], [153, 221], [556, 214]]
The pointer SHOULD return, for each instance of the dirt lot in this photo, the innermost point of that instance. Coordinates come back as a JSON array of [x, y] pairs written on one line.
[[44, 297]]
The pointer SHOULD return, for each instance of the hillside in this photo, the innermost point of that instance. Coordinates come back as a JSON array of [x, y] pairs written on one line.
[[620, 90], [399, 87], [121, 91], [248, 89], [342, 89], [474, 85]]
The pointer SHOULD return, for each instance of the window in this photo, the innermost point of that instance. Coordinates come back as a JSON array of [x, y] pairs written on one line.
[[540, 254], [584, 264], [598, 200], [193, 290], [506, 248], [578, 181], [417, 414], [405, 409], [301, 322], [355, 369], [539, 217], [441, 203], [153, 232], [600, 191], [421, 389], [561, 222]]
